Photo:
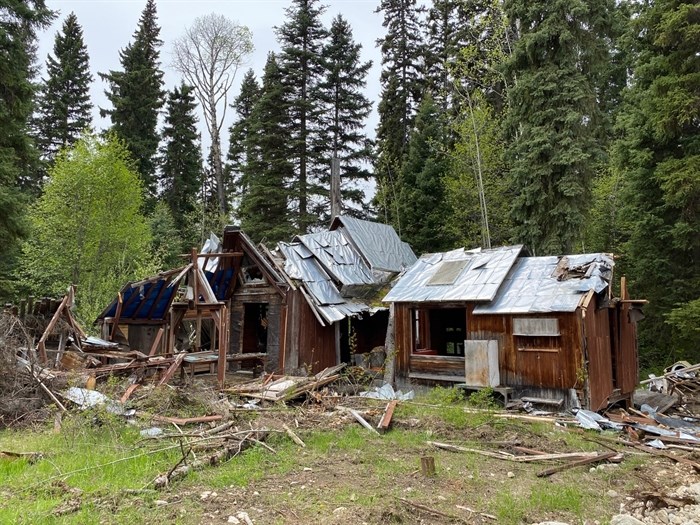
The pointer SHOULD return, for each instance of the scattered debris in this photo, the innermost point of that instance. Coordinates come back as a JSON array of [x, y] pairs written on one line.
[[386, 391]]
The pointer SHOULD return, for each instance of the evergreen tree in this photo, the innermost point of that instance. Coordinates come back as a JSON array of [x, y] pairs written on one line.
[[136, 95], [658, 156], [402, 87], [344, 111], [64, 108], [423, 213], [264, 206], [238, 134], [181, 156], [555, 117], [19, 22], [302, 38]]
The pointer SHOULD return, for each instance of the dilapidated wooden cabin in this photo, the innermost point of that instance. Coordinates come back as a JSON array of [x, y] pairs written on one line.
[[545, 329], [336, 281]]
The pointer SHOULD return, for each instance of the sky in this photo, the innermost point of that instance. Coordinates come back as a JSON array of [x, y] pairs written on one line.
[[108, 26]]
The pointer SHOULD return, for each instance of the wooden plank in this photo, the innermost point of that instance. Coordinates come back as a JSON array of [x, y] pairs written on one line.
[[173, 368], [41, 346], [223, 346], [156, 342], [385, 422], [128, 392], [188, 420], [578, 463], [117, 316]]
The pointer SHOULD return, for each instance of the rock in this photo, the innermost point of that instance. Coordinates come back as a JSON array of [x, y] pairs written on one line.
[[611, 494], [625, 519], [234, 520], [511, 474], [243, 517], [160, 502], [550, 523], [339, 510], [204, 495]]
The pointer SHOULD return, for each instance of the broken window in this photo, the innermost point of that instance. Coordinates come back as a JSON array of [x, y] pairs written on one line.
[[439, 331], [536, 334]]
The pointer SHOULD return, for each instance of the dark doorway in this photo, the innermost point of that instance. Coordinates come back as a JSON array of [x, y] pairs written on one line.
[[255, 328]]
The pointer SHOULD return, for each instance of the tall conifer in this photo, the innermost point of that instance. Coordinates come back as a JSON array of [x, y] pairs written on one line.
[[64, 108], [344, 111], [302, 38], [238, 133], [402, 87], [555, 116], [181, 155], [269, 170], [136, 95]]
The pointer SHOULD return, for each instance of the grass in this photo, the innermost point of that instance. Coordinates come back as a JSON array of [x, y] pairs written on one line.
[[96, 456]]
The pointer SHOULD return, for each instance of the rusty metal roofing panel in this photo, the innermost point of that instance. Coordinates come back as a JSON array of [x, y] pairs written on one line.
[[550, 284], [338, 257], [378, 243], [478, 280]]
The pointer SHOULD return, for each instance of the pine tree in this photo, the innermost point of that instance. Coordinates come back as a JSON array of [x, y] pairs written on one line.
[[181, 156], [658, 156], [64, 108], [555, 117], [238, 133], [402, 88], [423, 213], [344, 111], [136, 95], [19, 22], [264, 206], [302, 38]]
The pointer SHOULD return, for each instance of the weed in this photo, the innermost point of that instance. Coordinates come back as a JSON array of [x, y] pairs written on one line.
[[483, 399]]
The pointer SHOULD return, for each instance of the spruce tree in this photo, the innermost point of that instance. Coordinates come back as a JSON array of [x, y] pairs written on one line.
[[421, 202], [269, 170], [64, 108], [555, 117], [402, 87], [136, 95], [181, 156], [19, 22], [238, 133], [302, 38], [344, 111], [658, 158]]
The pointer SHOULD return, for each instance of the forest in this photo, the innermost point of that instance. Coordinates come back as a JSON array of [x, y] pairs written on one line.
[[567, 126]]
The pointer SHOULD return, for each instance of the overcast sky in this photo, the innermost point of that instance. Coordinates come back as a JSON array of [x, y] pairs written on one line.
[[108, 26]]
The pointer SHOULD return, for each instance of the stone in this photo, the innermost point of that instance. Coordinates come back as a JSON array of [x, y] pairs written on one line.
[[611, 494], [234, 520], [625, 519], [511, 474], [160, 503], [339, 510]]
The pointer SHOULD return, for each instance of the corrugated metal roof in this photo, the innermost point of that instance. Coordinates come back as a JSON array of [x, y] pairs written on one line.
[[478, 280], [338, 257], [378, 243], [550, 284], [300, 264]]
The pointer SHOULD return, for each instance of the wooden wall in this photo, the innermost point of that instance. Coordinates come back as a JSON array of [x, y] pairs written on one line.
[[599, 351], [307, 343]]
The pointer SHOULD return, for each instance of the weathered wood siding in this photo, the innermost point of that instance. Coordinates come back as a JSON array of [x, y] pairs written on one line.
[[308, 344], [626, 358], [598, 353]]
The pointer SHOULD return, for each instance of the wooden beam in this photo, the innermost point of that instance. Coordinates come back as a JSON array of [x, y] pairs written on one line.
[[222, 326], [156, 342], [385, 422], [41, 346], [117, 316]]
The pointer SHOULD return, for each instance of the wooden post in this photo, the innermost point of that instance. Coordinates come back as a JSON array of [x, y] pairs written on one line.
[[117, 316], [427, 465], [223, 347], [390, 349]]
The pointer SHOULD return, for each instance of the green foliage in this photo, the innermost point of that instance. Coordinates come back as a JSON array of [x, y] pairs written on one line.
[[483, 399], [658, 158], [87, 227], [402, 90], [167, 243], [301, 39], [64, 107], [554, 114], [19, 22], [423, 214], [181, 164], [136, 95], [264, 210], [344, 110]]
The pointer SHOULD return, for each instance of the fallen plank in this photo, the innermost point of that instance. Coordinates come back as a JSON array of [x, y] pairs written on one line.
[[128, 392], [586, 461], [188, 420], [173, 368], [362, 421], [385, 422], [511, 457]]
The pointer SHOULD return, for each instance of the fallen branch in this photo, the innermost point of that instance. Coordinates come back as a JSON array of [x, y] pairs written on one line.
[[435, 512], [187, 420], [573, 464], [511, 457], [362, 421], [293, 436], [221, 455]]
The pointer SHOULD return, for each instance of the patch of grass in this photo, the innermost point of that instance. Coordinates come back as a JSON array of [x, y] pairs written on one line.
[[508, 508], [553, 498]]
